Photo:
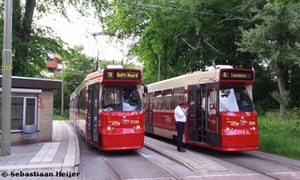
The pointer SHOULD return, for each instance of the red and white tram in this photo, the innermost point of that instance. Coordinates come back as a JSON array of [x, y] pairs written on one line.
[[230, 122], [106, 109]]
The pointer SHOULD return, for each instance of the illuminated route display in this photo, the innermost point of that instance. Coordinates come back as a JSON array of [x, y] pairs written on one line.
[[236, 75], [122, 75]]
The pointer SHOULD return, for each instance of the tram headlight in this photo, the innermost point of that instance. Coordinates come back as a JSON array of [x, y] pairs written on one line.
[[108, 128], [227, 129], [136, 127]]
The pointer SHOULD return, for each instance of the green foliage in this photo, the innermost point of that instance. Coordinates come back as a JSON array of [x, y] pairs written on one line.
[[283, 98], [294, 86], [78, 65], [277, 134], [155, 24], [276, 36], [274, 39], [283, 2], [57, 116], [269, 35], [31, 43], [263, 86], [155, 27]]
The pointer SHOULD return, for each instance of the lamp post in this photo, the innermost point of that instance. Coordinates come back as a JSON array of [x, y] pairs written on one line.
[[6, 81], [62, 89]]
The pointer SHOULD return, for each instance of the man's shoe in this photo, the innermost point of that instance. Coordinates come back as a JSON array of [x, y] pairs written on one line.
[[181, 150]]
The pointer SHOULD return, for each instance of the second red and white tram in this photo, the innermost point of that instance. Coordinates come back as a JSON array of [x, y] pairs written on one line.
[[230, 120]]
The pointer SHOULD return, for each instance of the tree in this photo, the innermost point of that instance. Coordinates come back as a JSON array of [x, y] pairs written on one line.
[[31, 43], [155, 24], [275, 38], [78, 65], [153, 28]]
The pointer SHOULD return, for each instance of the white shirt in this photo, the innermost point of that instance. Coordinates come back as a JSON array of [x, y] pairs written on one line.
[[179, 114]]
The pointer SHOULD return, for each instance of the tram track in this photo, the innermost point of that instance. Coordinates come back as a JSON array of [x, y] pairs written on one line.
[[121, 173], [291, 163], [239, 163], [111, 168], [271, 166], [273, 175], [252, 169], [164, 162]]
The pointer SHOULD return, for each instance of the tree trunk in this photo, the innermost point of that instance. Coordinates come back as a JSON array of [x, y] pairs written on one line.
[[24, 30], [281, 86]]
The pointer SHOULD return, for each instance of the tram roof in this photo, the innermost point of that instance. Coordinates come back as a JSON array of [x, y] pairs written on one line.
[[196, 77]]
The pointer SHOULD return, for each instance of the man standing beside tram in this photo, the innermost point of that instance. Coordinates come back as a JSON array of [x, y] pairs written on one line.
[[180, 119]]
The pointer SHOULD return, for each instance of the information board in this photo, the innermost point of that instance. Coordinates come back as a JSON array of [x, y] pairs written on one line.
[[122, 75], [236, 75]]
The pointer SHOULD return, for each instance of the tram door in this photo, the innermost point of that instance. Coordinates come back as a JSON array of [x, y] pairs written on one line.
[[194, 117], [92, 116], [211, 114], [149, 112]]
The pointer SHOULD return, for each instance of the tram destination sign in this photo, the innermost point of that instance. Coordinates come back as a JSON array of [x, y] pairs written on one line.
[[236, 75], [122, 75]]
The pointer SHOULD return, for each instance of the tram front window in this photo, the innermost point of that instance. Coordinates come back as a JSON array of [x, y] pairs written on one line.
[[121, 98], [235, 99]]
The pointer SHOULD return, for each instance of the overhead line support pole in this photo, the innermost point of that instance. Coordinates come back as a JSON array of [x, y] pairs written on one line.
[[6, 81]]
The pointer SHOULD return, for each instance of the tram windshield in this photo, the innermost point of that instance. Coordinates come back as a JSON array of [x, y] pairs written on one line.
[[235, 99], [121, 98]]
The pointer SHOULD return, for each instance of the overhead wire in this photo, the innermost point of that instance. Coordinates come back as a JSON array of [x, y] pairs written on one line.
[[175, 8]]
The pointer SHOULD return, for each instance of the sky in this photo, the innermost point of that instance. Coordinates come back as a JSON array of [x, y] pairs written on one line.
[[79, 32]]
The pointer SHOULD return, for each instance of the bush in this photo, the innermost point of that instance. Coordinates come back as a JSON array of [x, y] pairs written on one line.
[[280, 136], [57, 115]]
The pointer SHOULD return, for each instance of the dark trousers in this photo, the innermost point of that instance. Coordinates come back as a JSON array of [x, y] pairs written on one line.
[[180, 129]]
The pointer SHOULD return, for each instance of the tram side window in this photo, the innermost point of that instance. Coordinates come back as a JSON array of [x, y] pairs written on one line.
[[178, 96], [158, 100], [145, 101], [167, 99], [81, 104]]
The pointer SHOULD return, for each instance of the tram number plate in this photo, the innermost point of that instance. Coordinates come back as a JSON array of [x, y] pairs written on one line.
[[252, 123], [134, 121]]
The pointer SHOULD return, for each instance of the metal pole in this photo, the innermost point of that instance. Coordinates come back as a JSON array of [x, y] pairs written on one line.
[[62, 89], [6, 81]]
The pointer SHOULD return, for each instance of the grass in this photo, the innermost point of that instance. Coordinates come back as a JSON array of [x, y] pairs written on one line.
[[57, 116], [280, 136]]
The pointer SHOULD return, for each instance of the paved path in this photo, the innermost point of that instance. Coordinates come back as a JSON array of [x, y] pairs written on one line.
[[58, 158]]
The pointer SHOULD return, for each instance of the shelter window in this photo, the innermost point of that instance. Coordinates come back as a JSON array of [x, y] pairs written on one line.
[[23, 111]]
